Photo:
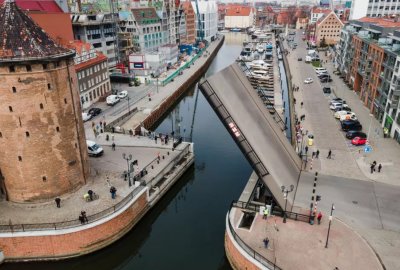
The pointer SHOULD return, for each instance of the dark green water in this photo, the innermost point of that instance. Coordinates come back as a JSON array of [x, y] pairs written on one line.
[[185, 230]]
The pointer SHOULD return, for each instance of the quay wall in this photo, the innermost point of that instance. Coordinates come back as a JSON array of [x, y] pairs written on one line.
[[158, 113]]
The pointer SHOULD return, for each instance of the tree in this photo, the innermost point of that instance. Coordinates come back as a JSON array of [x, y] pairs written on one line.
[[323, 44]]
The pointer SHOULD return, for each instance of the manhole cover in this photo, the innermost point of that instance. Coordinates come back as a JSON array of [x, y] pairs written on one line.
[[355, 202]]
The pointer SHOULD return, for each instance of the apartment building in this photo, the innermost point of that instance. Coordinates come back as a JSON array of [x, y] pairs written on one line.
[[92, 71], [190, 35], [100, 30], [208, 19], [369, 57], [374, 8]]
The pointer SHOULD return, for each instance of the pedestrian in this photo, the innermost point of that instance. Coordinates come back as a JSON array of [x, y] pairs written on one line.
[[101, 124], [317, 154], [372, 168], [379, 167], [294, 100], [104, 124], [301, 104], [84, 217], [266, 212], [313, 154], [319, 217], [266, 242], [90, 192], [306, 149], [155, 138], [374, 163], [113, 146], [113, 192], [58, 201], [329, 154], [81, 219]]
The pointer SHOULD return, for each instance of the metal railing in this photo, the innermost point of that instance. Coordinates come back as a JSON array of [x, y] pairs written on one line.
[[4, 228], [250, 251]]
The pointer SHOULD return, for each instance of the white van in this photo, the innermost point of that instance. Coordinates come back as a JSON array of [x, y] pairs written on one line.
[[112, 100], [94, 150]]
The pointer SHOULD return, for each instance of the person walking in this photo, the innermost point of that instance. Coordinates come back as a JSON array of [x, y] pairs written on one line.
[[84, 217], [313, 154], [266, 212], [58, 201], [317, 154], [301, 104], [319, 217], [329, 154], [90, 192], [113, 146], [379, 167], [306, 149], [372, 167], [113, 192]]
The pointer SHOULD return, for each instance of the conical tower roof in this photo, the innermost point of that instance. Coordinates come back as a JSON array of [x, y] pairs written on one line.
[[21, 39]]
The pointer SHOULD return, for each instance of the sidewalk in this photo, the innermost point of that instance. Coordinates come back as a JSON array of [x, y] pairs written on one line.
[[298, 245]]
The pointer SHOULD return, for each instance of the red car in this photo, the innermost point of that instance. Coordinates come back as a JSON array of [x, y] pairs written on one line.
[[359, 141]]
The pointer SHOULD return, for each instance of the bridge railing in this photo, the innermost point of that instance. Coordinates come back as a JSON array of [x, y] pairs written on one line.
[[249, 250]]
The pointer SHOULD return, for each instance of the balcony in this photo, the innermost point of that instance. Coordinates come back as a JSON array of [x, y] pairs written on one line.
[[394, 104]]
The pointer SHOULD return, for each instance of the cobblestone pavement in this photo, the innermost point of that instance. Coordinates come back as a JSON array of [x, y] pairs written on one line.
[[109, 166]]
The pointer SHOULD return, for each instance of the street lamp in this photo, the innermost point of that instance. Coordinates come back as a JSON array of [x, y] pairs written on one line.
[[128, 158], [370, 122], [329, 228], [285, 192]]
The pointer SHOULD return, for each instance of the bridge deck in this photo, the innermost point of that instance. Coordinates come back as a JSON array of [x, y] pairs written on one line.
[[254, 129]]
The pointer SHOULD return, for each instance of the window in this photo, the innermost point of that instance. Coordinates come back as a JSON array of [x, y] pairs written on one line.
[[29, 68], [10, 108], [11, 68], [19, 158], [65, 100], [44, 178], [44, 66], [58, 129], [1, 135], [49, 86], [14, 89], [41, 106], [27, 134]]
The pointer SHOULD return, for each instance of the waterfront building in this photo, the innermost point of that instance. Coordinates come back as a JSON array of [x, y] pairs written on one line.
[[241, 17], [362, 8], [368, 56], [92, 72], [100, 30], [328, 27], [41, 132], [190, 23], [208, 18]]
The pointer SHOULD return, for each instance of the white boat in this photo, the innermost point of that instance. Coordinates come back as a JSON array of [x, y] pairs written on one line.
[[259, 63], [260, 48], [260, 78]]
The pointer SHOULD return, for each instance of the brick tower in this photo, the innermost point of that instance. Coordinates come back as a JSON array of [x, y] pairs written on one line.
[[42, 140]]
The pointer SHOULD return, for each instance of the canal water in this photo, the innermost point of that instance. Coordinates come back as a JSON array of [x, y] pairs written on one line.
[[185, 230]]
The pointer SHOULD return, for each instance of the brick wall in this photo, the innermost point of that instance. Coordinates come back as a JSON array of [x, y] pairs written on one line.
[[41, 131], [77, 243], [236, 259]]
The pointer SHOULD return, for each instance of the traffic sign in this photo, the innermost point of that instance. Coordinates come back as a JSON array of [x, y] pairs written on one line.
[[367, 149]]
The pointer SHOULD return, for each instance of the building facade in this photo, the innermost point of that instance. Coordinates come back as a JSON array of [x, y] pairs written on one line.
[[100, 30], [374, 8], [42, 136], [92, 72], [241, 17], [208, 19], [328, 28], [368, 56], [190, 37], [317, 13]]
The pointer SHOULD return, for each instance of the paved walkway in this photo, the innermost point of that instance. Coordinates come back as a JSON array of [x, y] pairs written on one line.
[[298, 245], [348, 160], [109, 166]]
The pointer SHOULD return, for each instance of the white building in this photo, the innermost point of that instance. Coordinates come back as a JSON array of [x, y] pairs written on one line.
[[380, 8], [239, 17], [208, 17]]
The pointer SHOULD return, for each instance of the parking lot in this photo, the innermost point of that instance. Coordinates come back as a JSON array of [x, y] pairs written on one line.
[[347, 160]]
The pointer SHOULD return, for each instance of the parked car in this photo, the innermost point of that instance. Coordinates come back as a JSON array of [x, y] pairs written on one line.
[[351, 125], [320, 69], [338, 114], [112, 100], [351, 134], [343, 109], [359, 141], [86, 117], [347, 117], [325, 79], [326, 90], [322, 73], [335, 106], [308, 80], [94, 150], [94, 111], [337, 100], [123, 94]]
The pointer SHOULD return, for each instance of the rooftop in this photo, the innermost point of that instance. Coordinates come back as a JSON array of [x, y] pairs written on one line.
[[384, 22], [145, 15], [23, 39], [238, 11], [37, 5], [320, 10]]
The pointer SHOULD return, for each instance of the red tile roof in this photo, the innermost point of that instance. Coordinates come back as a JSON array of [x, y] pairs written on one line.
[[37, 5], [384, 22], [78, 45], [99, 59], [321, 10], [238, 11]]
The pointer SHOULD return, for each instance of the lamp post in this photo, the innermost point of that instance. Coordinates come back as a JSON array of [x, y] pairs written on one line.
[[285, 192], [128, 158], [370, 123], [329, 227]]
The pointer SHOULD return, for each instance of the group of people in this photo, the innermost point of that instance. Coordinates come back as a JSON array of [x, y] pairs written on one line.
[[83, 218], [373, 167], [163, 138], [98, 128]]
